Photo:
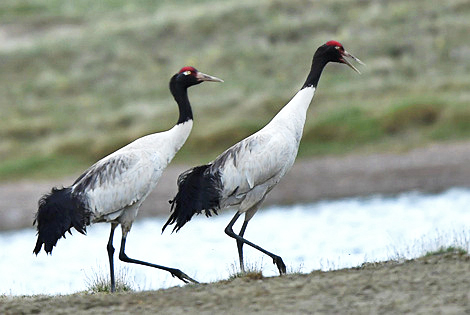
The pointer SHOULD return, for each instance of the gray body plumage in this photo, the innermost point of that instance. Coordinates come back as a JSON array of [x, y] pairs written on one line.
[[243, 174], [252, 167], [114, 187]]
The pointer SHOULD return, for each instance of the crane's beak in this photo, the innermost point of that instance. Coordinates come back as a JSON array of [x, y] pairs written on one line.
[[344, 53], [205, 77]]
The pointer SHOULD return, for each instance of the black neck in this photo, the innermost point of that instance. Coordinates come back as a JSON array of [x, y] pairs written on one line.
[[318, 64], [180, 93]]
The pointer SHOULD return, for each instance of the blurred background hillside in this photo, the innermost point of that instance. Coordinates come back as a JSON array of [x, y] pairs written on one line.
[[81, 78]]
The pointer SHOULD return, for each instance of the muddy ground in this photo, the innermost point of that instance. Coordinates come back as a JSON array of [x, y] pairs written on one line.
[[436, 284], [430, 169]]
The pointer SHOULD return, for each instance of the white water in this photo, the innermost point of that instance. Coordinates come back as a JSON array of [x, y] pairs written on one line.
[[324, 235]]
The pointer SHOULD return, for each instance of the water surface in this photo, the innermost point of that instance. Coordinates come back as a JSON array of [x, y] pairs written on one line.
[[323, 235]]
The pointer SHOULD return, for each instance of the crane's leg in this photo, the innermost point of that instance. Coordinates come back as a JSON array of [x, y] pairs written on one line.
[[174, 272], [276, 259], [111, 256], [240, 246]]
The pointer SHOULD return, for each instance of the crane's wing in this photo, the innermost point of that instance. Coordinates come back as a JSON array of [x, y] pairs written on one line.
[[117, 181], [254, 161]]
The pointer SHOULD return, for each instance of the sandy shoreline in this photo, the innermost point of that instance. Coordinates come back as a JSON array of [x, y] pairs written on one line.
[[430, 169]]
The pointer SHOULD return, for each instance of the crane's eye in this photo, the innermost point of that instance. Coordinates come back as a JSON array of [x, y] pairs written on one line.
[[337, 47], [187, 72]]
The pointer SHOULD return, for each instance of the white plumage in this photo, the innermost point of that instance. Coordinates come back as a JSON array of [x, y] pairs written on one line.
[[256, 164], [113, 189], [243, 175]]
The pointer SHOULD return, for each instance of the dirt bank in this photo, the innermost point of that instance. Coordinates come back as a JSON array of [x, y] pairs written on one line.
[[429, 285], [429, 169]]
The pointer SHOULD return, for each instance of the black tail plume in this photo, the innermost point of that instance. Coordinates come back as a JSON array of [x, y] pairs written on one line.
[[58, 212], [198, 190]]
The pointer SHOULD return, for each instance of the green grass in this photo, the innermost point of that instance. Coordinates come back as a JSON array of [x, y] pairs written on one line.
[[81, 78], [447, 250], [253, 271], [455, 242], [99, 281], [248, 275]]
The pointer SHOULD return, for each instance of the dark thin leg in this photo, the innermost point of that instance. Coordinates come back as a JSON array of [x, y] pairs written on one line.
[[276, 259], [174, 272], [240, 246], [111, 256]]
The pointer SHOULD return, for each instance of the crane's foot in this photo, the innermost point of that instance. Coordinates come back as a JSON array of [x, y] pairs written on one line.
[[182, 276], [277, 260]]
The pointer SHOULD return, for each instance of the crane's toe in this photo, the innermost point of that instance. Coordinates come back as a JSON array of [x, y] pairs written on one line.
[[277, 260], [182, 276]]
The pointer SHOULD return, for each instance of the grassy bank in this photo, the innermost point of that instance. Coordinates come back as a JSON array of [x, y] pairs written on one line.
[[82, 78], [427, 285]]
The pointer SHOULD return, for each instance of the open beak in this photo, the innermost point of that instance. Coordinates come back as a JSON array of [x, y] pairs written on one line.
[[205, 77], [344, 53]]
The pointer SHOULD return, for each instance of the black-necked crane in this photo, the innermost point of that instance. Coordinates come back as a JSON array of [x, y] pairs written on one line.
[[242, 175], [113, 189]]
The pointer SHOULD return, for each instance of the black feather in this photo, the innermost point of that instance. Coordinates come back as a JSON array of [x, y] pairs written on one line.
[[198, 190], [58, 212]]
